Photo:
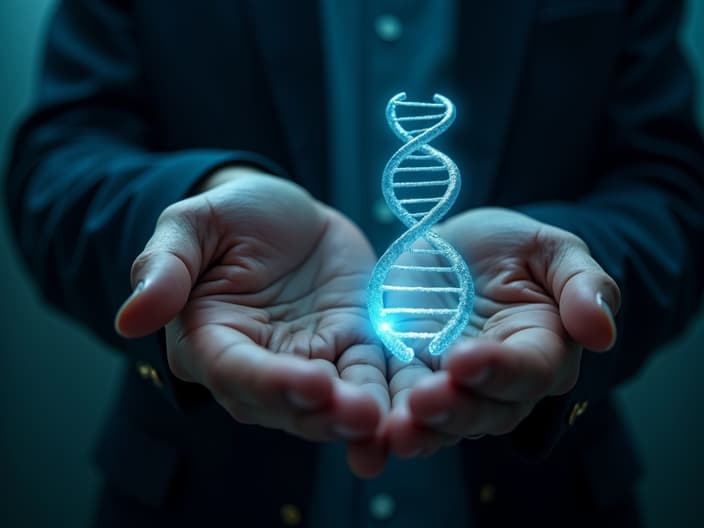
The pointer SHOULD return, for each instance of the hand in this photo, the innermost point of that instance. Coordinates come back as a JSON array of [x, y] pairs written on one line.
[[540, 298], [263, 290]]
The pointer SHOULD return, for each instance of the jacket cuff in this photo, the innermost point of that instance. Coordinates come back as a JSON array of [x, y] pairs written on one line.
[[173, 179], [555, 417]]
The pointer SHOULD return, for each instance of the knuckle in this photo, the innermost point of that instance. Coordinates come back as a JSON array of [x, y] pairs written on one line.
[[140, 262], [562, 239], [556, 243], [182, 218], [573, 240], [176, 210]]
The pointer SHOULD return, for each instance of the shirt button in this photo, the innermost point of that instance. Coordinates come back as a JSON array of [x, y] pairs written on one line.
[[381, 212], [290, 515], [147, 372], [388, 27], [382, 506], [578, 410], [487, 493]]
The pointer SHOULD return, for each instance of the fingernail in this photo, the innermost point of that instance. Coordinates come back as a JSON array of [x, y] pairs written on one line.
[[302, 401], [437, 419], [347, 433], [606, 308], [601, 301], [137, 289], [118, 316], [478, 378]]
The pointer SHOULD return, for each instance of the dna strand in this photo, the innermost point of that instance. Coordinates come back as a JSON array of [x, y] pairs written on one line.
[[420, 184]]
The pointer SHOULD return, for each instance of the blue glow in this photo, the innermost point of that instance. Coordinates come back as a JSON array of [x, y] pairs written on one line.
[[386, 327], [408, 182]]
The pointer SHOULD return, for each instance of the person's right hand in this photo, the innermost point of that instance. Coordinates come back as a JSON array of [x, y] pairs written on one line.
[[262, 291]]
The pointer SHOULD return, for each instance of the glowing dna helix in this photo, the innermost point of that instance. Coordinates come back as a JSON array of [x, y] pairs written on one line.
[[420, 185]]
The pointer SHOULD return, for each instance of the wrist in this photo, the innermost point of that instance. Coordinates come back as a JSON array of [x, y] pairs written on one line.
[[227, 174]]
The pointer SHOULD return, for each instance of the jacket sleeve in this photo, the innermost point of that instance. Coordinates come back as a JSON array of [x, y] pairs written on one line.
[[643, 220], [86, 183]]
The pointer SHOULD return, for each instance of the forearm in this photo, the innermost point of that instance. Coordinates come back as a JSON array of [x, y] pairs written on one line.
[[88, 176], [82, 211]]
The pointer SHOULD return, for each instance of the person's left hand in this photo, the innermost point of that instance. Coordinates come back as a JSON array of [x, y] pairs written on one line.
[[540, 299]]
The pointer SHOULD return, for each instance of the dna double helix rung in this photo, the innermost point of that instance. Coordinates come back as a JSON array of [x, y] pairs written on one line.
[[420, 292]]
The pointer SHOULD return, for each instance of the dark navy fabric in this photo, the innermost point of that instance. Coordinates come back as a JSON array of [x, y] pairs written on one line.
[[579, 114], [363, 71]]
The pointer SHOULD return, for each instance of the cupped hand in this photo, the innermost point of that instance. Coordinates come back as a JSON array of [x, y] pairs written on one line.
[[540, 299], [262, 291]]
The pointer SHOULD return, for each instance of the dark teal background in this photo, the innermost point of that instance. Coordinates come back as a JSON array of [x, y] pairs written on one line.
[[56, 381]]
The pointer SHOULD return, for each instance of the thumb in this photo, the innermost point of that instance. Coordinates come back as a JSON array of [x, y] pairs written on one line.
[[588, 297], [162, 275]]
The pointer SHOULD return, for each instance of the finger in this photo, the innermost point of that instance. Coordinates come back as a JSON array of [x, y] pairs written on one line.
[[356, 413], [162, 275], [409, 438], [527, 366], [302, 396], [405, 436], [351, 416], [585, 310], [367, 458], [359, 398], [364, 366], [232, 367], [440, 404], [403, 376], [587, 296]]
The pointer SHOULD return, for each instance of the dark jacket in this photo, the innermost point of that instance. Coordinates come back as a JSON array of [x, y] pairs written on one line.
[[582, 118]]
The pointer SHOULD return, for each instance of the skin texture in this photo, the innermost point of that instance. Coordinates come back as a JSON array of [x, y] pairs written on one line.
[[262, 293], [540, 298]]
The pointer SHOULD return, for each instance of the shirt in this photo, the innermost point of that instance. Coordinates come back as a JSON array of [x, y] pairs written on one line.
[[375, 49]]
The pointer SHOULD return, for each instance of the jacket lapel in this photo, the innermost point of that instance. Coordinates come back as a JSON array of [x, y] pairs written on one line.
[[289, 39], [493, 38]]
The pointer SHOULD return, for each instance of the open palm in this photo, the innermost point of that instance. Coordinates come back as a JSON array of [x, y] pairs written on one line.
[[264, 290], [537, 304]]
